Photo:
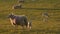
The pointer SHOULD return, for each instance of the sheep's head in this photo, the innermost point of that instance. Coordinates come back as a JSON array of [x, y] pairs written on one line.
[[11, 16]]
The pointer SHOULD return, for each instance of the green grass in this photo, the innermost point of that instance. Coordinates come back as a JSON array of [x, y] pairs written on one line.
[[38, 26]]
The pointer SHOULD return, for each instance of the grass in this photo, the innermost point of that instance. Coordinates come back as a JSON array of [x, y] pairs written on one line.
[[38, 26]]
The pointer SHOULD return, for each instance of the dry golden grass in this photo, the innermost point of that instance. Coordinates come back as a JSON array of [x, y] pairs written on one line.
[[31, 10]]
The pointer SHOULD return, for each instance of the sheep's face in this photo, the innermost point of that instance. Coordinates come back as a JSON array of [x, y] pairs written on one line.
[[11, 16]]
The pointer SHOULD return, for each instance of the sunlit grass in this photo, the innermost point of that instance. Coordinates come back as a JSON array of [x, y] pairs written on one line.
[[35, 15]]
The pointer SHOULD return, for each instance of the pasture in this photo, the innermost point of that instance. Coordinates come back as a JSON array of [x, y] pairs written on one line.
[[33, 10]]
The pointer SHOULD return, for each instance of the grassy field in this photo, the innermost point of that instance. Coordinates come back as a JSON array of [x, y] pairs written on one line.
[[33, 10]]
